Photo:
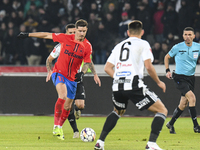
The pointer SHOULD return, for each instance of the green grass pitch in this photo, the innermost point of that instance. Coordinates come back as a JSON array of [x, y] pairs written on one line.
[[130, 133]]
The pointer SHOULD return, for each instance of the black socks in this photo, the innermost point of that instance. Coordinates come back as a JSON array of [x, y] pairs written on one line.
[[156, 126], [110, 123], [176, 115], [193, 115], [72, 121]]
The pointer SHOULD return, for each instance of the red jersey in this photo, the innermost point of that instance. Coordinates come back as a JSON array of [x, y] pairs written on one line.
[[71, 55]]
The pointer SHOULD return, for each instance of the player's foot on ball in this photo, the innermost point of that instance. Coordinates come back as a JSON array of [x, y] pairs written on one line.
[[99, 145], [152, 146], [76, 135], [61, 136], [197, 129], [56, 131], [171, 128], [77, 114]]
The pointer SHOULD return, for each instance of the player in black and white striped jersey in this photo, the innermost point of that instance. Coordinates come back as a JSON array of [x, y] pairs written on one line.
[[126, 65]]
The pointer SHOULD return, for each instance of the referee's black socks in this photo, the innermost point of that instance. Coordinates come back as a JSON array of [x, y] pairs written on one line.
[[110, 123], [193, 115], [156, 126], [176, 115]]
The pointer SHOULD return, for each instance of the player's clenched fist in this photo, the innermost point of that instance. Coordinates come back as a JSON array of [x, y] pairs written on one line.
[[22, 35]]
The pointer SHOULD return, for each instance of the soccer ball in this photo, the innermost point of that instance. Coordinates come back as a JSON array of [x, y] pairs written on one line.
[[88, 135]]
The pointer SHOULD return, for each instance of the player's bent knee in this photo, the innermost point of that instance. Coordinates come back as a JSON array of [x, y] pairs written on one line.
[[183, 106], [80, 104], [81, 107], [164, 111], [120, 112], [67, 107], [158, 107]]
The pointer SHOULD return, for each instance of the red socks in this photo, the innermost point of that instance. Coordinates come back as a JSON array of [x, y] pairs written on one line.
[[58, 110], [60, 114], [64, 116]]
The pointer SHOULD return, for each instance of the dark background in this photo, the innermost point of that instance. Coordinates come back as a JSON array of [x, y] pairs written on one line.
[[32, 95]]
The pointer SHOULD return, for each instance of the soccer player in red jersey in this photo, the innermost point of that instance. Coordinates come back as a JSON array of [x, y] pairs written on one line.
[[79, 101], [74, 49]]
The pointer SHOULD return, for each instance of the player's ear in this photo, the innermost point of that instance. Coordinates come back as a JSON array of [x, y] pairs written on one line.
[[128, 33], [142, 33]]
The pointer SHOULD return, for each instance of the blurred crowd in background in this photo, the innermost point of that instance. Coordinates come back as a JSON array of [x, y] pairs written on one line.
[[163, 22]]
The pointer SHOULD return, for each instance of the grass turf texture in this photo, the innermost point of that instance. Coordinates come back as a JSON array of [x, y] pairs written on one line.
[[131, 133]]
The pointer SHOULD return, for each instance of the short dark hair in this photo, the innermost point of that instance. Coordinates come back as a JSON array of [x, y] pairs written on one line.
[[69, 26], [81, 23], [189, 29], [135, 27]]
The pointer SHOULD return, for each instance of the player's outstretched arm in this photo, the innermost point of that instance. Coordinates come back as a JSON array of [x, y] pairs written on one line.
[[44, 35], [91, 66], [49, 66], [152, 72]]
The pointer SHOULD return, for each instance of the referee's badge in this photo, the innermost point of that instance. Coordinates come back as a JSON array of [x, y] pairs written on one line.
[[195, 55]]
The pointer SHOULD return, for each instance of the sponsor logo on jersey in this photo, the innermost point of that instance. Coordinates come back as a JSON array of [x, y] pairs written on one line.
[[142, 103], [123, 73], [126, 65], [73, 54], [68, 45], [122, 81], [118, 65], [123, 65], [54, 50]]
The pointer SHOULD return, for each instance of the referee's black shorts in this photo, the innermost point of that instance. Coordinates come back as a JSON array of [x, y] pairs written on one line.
[[184, 83]]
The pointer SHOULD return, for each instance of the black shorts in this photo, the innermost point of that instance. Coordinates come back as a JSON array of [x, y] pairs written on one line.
[[142, 98], [80, 92], [184, 83]]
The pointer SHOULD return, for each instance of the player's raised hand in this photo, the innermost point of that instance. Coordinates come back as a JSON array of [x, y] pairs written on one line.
[[22, 35]]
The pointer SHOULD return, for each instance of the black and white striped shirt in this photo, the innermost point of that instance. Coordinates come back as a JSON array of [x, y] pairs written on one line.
[[128, 57]]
